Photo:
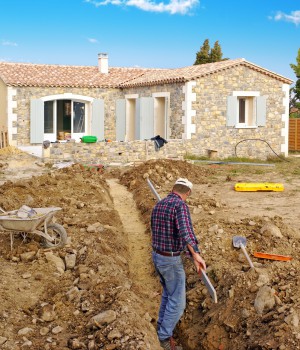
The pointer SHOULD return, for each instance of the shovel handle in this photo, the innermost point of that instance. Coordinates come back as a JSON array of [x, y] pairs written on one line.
[[246, 255]]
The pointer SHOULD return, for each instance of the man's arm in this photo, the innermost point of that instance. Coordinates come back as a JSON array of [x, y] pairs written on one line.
[[198, 261]]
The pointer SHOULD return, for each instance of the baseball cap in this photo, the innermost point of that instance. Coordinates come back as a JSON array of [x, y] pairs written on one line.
[[185, 182]]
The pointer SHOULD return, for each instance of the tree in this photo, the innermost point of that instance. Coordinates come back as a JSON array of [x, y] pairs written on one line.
[[295, 91], [203, 56], [208, 55], [216, 53]]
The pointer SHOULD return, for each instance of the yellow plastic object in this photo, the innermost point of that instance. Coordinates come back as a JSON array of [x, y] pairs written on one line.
[[256, 187]]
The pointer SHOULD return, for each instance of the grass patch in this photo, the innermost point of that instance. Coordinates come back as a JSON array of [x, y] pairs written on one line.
[[190, 156]]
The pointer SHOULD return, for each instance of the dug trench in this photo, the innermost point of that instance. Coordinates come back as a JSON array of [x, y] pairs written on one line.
[[100, 290]]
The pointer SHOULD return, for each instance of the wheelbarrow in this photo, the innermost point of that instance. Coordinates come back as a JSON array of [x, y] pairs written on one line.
[[36, 221]]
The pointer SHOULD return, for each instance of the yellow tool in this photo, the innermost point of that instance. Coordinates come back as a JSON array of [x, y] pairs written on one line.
[[256, 187]]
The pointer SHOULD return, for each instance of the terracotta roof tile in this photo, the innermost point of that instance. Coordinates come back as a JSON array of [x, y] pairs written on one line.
[[194, 72], [43, 75]]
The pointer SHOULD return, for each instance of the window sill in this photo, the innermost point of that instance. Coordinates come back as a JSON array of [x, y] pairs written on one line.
[[246, 127]]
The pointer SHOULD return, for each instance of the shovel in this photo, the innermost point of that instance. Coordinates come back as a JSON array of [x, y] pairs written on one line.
[[240, 242]]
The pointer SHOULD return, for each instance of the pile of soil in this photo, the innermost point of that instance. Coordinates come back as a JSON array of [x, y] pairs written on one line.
[[100, 291]]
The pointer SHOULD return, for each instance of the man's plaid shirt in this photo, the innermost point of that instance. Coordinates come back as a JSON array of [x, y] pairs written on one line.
[[171, 225]]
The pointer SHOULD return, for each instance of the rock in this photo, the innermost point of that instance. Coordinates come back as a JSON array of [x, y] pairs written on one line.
[[27, 343], [47, 313], [292, 319], [114, 334], [3, 340], [75, 344], [57, 261], [213, 228], [57, 329], [263, 277], [270, 229], [103, 318], [25, 331], [74, 294], [28, 256], [44, 330], [70, 260], [197, 210], [26, 275], [264, 300], [96, 227]]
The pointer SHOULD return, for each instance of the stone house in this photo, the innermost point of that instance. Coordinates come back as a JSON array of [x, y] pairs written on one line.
[[204, 107]]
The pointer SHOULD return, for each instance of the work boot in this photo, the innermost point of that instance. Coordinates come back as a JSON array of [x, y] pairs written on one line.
[[169, 344]]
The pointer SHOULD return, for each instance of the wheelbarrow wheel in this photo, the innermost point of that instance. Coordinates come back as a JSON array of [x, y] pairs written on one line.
[[58, 233]]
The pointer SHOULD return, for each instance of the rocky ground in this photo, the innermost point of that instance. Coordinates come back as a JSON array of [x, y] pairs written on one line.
[[100, 291]]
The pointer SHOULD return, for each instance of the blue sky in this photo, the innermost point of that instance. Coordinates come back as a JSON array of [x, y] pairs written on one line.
[[149, 33]]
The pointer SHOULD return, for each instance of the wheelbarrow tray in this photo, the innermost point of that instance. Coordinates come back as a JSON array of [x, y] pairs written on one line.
[[9, 221]]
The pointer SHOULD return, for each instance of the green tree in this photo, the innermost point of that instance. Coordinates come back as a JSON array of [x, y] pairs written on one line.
[[203, 56], [295, 91], [216, 53], [208, 55]]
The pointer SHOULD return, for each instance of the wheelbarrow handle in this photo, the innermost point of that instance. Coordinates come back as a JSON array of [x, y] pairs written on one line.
[[247, 256]]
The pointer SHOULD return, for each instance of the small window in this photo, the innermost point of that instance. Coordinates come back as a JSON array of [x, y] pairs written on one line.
[[246, 111]]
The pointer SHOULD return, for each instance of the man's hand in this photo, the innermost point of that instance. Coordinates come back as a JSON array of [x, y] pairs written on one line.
[[197, 259], [198, 262]]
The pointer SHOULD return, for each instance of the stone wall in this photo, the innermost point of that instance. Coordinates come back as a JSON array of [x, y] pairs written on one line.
[[135, 151], [25, 94], [211, 105]]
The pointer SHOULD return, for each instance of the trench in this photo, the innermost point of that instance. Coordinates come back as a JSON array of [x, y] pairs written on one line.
[[139, 245]]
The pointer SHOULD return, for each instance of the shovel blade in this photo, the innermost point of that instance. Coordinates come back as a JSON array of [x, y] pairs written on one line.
[[238, 241]]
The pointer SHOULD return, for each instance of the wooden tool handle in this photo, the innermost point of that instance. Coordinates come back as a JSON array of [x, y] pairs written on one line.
[[247, 256]]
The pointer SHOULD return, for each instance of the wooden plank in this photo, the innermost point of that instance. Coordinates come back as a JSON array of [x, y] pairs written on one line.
[[294, 134]]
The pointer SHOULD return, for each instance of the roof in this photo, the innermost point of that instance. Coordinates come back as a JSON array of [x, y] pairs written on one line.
[[45, 75]]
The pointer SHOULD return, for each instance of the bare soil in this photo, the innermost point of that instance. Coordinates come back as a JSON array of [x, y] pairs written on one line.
[[108, 298]]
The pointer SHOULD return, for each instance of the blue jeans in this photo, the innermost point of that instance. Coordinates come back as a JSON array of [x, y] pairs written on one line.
[[172, 278]]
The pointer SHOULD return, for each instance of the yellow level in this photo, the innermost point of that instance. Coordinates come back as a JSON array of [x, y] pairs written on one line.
[[255, 187]]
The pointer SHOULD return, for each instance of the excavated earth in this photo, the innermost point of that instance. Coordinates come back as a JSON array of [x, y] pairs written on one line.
[[100, 291]]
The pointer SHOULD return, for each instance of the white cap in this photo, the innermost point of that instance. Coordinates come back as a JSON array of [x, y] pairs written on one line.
[[185, 182]]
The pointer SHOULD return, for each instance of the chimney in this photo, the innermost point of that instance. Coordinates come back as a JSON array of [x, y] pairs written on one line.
[[103, 63]]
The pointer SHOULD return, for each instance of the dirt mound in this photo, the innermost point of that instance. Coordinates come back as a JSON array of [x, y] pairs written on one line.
[[83, 296], [60, 313], [233, 323], [10, 150]]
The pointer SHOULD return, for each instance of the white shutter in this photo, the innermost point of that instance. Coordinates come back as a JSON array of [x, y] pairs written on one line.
[[120, 119], [36, 121], [97, 124], [146, 118], [261, 110], [232, 111]]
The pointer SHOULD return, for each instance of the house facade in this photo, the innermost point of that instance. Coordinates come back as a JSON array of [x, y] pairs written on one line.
[[215, 106]]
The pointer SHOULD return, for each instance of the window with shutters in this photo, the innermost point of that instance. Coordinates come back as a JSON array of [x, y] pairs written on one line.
[[64, 116], [246, 109]]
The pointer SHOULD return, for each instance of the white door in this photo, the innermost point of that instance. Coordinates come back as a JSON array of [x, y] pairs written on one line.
[[78, 128]]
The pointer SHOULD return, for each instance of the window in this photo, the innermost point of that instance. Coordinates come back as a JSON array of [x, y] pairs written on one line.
[[246, 110], [48, 117]]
